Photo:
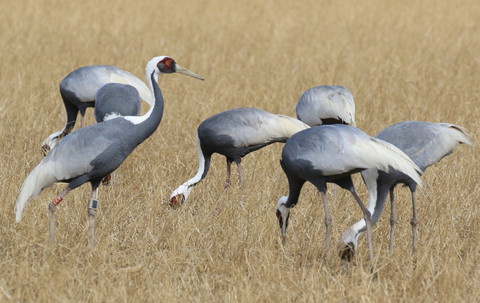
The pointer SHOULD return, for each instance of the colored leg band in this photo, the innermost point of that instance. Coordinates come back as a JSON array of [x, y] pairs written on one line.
[[57, 200], [93, 204]]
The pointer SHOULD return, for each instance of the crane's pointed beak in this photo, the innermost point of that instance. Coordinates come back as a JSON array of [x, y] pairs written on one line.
[[183, 70]]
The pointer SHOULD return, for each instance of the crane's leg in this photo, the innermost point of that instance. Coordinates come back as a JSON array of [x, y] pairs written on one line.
[[240, 183], [240, 174], [229, 174], [334, 190], [392, 219], [328, 222], [51, 210], [92, 210], [225, 187], [367, 217], [72, 112], [414, 222], [82, 119]]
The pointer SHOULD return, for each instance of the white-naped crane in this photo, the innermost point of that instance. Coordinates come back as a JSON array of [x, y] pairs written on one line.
[[326, 104], [425, 143], [235, 133], [93, 152], [79, 88], [331, 154], [115, 100]]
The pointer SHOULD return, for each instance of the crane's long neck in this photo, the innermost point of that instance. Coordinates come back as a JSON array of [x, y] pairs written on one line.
[[378, 188], [203, 166], [378, 185], [145, 125], [294, 186], [156, 110]]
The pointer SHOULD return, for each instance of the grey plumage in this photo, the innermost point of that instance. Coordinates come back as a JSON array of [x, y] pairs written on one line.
[[79, 88], [332, 153], [426, 143], [326, 104], [234, 134], [114, 100]]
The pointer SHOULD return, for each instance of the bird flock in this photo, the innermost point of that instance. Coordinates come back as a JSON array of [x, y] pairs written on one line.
[[322, 146]]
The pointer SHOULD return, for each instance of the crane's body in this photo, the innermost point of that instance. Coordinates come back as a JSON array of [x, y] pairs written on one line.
[[426, 144], [116, 100], [79, 88], [326, 104], [331, 154], [234, 134]]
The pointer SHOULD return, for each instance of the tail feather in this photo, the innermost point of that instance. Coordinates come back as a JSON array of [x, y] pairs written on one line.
[[38, 179], [400, 161]]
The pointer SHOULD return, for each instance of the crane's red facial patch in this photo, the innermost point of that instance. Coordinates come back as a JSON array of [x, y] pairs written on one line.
[[167, 65], [347, 252], [177, 200]]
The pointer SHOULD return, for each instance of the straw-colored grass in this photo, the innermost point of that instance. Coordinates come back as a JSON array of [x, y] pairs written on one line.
[[402, 60]]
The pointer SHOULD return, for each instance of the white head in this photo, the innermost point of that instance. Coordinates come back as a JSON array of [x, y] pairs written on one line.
[[349, 243], [166, 65], [283, 213], [180, 195], [49, 143]]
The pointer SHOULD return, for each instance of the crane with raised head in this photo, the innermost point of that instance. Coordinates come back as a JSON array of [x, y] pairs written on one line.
[[93, 152]]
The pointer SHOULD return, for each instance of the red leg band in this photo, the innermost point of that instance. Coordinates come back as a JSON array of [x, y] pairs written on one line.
[[57, 200]]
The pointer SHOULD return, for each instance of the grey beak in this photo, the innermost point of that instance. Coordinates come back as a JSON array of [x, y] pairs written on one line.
[[183, 70]]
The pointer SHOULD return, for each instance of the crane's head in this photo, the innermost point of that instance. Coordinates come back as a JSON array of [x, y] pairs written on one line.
[[346, 248], [347, 252], [180, 195], [283, 213], [166, 65], [49, 143]]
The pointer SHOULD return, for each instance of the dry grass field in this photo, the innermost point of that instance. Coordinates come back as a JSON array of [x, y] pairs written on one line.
[[402, 60]]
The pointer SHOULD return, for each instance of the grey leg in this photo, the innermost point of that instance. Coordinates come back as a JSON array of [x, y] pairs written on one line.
[[328, 223], [367, 216], [51, 210], [92, 210], [392, 219], [240, 174], [229, 173], [82, 120], [414, 222]]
